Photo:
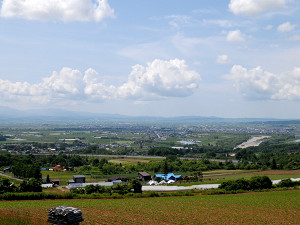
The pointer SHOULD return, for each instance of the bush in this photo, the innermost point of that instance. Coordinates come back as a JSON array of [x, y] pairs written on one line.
[[255, 183], [32, 185], [6, 185], [136, 185], [89, 189], [239, 184], [288, 183], [260, 182], [23, 196]]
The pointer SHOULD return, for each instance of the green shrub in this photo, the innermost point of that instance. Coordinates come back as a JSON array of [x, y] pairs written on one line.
[[255, 183], [288, 183], [260, 182]]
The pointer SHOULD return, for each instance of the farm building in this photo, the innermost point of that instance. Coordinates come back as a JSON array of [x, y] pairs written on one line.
[[122, 178], [77, 179], [167, 177], [7, 170], [144, 176], [57, 167], [55, 182], [83, 185]]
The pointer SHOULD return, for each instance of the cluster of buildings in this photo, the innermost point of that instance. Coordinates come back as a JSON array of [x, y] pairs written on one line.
[[79, 181]]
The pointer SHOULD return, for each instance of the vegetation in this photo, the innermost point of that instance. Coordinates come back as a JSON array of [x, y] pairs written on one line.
[[255, 183], [31, 185], [288, 183], [251, 208], [275, 156]]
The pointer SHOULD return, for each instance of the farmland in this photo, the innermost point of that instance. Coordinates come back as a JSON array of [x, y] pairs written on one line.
[[209, 177], [251, 208]]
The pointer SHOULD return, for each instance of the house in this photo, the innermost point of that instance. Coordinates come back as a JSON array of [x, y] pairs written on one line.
[[7, 170], [55, 182], [144, 176], [122, 178], [77, 179], [44, 180], [167, 177], [57, 167]]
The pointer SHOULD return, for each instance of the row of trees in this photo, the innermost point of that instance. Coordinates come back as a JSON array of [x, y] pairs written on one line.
[[256, 183], [30, 185]]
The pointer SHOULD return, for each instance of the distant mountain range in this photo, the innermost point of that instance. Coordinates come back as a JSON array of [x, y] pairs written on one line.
[[9, 115]]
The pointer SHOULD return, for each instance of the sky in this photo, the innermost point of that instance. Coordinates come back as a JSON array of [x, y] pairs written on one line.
[[229, 58]]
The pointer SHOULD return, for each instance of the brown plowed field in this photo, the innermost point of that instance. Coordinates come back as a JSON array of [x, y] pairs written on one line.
[[253, 208], [276, 172]]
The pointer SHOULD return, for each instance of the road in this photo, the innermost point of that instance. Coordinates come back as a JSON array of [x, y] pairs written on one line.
[[10, 177]]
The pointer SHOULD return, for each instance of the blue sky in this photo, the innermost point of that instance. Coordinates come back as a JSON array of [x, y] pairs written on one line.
[[235, 58]]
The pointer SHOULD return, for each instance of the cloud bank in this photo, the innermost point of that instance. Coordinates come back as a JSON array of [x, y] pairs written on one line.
[[257, 84], [158, 80], [67, 10], [254, 7]]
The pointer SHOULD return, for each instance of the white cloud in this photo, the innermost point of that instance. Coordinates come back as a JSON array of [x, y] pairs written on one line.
[[223, 59], [68, 10], [235, 36], [259, 84], [254, 7], [285, 27], [269, 27], [221, 23], [159, 79], [186, 45], [177, 21], [295, 38]]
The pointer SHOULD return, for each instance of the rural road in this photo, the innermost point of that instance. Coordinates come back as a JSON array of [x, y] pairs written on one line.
[[10, 177]]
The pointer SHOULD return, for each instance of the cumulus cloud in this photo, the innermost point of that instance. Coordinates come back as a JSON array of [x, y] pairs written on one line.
[[159, 79], [235, 36], [68, 10], [259, 84], [254, 7], [285, 27], [223, 59]]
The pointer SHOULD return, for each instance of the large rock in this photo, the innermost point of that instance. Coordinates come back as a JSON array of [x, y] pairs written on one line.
[[63, 215]]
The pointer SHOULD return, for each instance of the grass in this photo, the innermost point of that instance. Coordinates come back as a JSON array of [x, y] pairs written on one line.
[[16, 220], [128, 161], [218, 176], [251, 208]]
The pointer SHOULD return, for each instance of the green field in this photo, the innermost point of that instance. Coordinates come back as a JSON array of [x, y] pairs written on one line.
[[252, 208]]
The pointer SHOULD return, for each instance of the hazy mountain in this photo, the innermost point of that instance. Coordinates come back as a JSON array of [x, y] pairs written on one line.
[[9, 114]]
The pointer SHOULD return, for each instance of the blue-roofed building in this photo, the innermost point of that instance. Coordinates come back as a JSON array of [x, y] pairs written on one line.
[[167, 177]]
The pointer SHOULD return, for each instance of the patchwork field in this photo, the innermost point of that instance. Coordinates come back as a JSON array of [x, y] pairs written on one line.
[[252, 208]]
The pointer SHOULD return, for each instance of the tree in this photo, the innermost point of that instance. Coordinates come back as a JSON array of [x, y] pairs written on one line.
[[165, 167], [95, 162], [32, 185], [48, 179], [274, 164], [260, 182], [6, 185], [136, 185]]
